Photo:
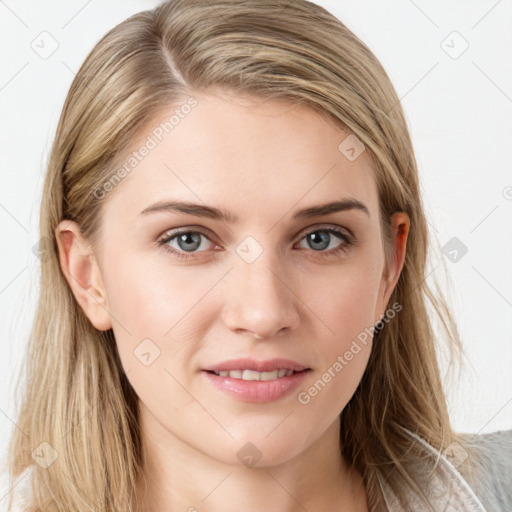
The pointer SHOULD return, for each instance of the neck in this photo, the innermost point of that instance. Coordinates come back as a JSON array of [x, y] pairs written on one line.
[[178, 477]]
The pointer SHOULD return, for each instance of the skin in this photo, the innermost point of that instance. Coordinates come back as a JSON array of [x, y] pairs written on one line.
[[262, 161]]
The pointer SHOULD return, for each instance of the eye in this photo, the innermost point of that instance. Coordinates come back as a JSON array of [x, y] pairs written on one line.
[[322, 238], [185, 242]]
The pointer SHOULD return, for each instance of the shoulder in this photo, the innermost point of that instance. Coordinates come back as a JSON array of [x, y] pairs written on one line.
[[17, 492], [491, 464], [473, 475]]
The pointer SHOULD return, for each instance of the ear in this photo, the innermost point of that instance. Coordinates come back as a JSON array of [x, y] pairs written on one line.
[[400, 225], [83, 274]]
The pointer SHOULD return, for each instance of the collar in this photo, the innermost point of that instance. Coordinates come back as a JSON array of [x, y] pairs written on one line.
[[447, 490]]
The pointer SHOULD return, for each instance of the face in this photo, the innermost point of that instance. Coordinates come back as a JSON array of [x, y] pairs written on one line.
[[256, 271]]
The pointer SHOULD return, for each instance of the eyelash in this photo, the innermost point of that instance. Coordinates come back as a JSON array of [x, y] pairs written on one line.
[[343, 248]]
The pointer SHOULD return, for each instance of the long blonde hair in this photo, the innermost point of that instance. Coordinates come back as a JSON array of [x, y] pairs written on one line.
[[76, 396]]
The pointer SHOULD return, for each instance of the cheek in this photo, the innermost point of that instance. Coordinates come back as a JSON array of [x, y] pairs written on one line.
[[347, 304], [346, 307], [158, 320], [158, 310], [347, 312], [148, 297]]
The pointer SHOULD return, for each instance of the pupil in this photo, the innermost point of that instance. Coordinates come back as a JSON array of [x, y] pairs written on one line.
[[185, 238], [318, 239]]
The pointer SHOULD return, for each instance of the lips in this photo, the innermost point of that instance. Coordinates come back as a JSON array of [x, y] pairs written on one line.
[[256, 381]]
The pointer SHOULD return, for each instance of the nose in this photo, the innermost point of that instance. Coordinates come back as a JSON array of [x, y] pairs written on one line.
[[259, 300]]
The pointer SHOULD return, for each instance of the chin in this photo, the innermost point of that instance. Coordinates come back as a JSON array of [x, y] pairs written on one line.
[[260, 450]]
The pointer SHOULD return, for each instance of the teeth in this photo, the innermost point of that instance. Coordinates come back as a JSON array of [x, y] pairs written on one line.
[[253, 375], [269, 375], [250, 375]]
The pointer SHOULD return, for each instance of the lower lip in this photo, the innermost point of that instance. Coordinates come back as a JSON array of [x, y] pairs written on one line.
[[257, 391]]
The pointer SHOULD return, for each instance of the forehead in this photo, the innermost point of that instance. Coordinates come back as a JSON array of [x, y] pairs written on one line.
[[251, 154]]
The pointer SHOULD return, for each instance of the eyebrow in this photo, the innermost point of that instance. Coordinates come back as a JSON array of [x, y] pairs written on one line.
[[201, 210]]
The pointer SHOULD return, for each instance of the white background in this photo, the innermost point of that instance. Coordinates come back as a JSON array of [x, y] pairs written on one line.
[[459, 111]]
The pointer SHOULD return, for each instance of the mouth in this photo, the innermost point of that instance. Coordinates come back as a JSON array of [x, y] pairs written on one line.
[[257, 381], [255, 375]]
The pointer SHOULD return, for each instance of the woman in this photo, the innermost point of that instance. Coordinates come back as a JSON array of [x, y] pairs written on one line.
[[237, 284]]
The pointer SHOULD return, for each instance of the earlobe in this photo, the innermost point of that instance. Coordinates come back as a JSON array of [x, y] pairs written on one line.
[[81, 270]]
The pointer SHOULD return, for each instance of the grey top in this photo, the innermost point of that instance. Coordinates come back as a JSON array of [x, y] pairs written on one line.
[[490, 466], [494, 451]]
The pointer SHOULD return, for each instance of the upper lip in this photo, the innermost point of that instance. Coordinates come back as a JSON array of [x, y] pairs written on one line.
[[268, 365]]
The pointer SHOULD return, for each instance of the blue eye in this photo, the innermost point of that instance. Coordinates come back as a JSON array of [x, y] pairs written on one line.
[[189, 242], [323, 241]]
